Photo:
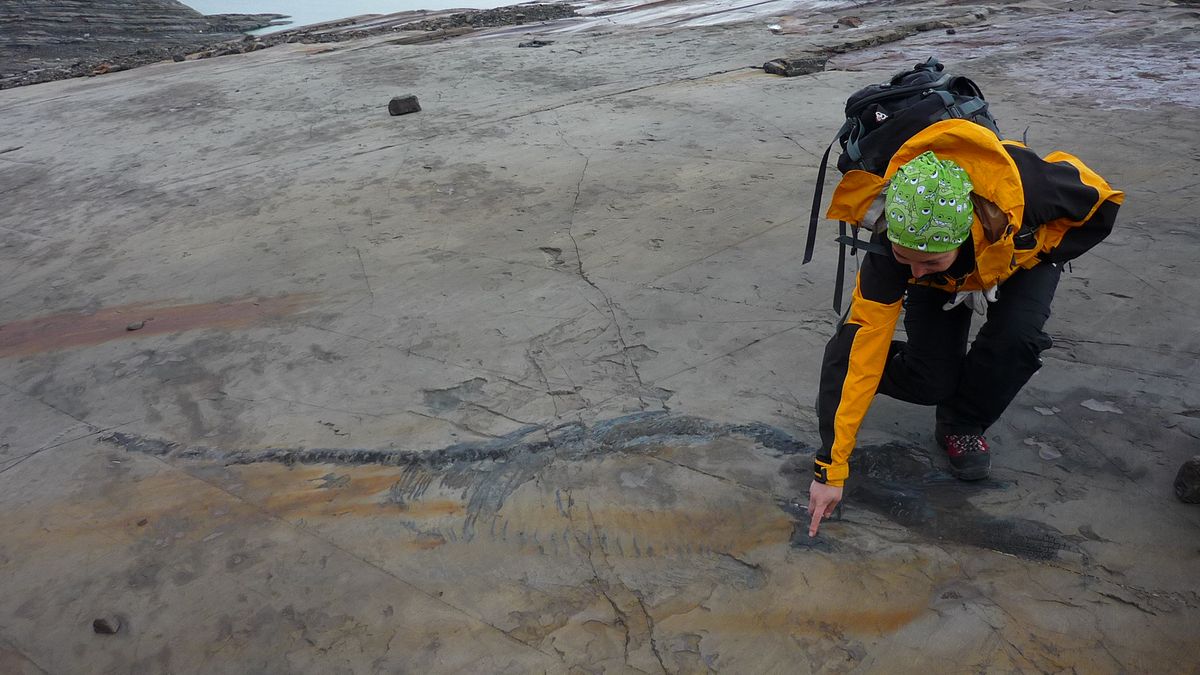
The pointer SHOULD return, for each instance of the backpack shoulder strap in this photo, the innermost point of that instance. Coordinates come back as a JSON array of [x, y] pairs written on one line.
[[964, 110], [816, 208], [855, 245], [816, 205]]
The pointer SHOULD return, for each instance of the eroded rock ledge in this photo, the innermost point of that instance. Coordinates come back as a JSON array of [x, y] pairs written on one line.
[[51, 39], [45, 40]]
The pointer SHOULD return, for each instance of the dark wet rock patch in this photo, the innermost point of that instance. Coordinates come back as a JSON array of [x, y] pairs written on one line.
[[903, 484]]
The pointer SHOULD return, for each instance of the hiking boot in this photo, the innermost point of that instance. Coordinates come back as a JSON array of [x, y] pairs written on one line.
[[968, 454]]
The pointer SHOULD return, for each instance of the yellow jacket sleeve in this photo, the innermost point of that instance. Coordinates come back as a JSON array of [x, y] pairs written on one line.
[[854, 361]]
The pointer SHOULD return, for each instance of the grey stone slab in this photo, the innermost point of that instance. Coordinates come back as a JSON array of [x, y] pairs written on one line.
[[31, 426], [562, 237], [202, 581], [680, 540]]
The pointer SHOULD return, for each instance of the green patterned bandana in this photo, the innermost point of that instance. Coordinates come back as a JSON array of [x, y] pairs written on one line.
[[928, 205]]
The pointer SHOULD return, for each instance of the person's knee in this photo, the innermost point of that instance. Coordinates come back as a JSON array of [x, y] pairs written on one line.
[[941, 385], [1015, 340], [926, 381]]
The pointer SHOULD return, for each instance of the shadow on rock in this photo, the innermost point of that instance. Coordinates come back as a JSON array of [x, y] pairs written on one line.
[[902, 484]]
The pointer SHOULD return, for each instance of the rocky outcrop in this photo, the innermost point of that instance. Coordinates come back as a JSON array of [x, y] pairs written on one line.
[[41, 41], [515, 15], [39, 35]]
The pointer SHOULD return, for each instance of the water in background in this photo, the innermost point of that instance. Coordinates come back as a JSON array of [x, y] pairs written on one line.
[[304, 12]]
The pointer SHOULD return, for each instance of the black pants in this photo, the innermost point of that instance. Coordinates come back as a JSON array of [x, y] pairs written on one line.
[[971, 389]]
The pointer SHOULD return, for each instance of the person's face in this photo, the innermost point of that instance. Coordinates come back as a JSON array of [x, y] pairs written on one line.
[[923, 263]]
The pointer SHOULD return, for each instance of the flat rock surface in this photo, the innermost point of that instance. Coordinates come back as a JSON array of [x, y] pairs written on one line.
[[523, 382]]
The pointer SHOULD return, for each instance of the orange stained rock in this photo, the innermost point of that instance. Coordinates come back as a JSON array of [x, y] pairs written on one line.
[[125, 512], [866, 621], [871, 621], [327, 491], [73, 329], [736, 531], [316, 491], [773, 617]]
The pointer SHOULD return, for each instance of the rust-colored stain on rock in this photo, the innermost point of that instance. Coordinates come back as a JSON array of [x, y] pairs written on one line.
[[72, 329], [297, 492]]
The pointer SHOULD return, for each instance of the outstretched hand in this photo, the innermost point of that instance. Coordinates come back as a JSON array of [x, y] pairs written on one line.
[[822, 499]]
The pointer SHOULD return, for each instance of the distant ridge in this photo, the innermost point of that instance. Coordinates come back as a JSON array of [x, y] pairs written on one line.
[[38, 34]]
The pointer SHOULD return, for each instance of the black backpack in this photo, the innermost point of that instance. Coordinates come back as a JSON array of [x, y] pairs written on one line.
[[882, 117]]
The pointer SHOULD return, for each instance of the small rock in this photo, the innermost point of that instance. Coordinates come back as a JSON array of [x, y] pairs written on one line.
[[1106, 406], [136, 325], [850, 21], [142, 522], [536, 43], [403, 105], [794, 67], [107, 625], [950, 31], [1187, 481]]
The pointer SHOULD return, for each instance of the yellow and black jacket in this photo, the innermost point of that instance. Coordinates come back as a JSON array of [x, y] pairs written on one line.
[[1027, 210]]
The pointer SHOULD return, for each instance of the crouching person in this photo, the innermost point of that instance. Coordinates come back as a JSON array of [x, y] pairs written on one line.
[[963, 222]]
